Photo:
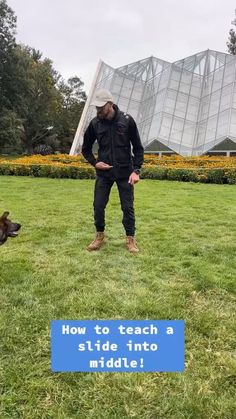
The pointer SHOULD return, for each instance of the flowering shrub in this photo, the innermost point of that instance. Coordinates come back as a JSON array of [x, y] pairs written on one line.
[[52, 160], [188, 169], [188, 162]]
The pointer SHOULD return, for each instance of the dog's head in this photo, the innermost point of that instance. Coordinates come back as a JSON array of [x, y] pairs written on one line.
[[7, 228]]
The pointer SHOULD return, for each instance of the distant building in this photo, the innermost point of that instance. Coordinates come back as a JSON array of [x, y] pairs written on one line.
[[187, 107]]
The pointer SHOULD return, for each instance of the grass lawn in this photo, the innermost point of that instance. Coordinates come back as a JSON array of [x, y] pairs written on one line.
[[186, 270]]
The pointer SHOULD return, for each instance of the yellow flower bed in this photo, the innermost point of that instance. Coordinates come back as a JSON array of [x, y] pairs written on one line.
[[190, 169], [150, 160], [52, 160], [189, 162]]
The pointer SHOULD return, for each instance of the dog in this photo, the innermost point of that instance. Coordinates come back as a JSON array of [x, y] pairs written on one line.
[[7, 228]]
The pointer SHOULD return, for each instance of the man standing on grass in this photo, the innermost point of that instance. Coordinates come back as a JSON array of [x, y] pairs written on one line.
[[115, 132]]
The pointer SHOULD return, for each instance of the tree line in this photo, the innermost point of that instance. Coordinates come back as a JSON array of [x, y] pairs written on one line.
[[39, 110]]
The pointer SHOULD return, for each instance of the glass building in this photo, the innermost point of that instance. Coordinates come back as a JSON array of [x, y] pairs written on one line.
[[187, 107]]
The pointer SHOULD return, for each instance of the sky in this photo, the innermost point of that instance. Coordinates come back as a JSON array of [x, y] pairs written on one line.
[[75, 34]]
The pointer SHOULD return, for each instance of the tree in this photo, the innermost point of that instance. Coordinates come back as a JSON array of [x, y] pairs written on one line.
[[7, 28], [10, 126], [37, 107], [10, 132], [37, 99], [232, 39], [31, 99], [7, 40], [71, 91], [73, 100], [48, 106]]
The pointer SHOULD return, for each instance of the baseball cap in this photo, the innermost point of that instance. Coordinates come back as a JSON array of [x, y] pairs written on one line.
[[101, 97]]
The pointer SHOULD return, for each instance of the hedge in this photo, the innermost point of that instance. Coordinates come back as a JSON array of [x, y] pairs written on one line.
[[226, 175]]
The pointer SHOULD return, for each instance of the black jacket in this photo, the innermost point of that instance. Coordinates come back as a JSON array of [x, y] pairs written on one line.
[[114, 138]]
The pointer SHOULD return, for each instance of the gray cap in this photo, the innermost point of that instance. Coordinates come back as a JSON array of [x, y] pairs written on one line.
[[101, 97]]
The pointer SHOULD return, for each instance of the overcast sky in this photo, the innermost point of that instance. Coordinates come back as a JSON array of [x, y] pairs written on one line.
[[75, 34]]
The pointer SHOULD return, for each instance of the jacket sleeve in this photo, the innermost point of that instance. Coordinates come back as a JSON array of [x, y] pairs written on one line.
[[138, 150], [89, 139]]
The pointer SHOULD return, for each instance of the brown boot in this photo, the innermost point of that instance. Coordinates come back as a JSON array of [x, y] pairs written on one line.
[[131, 244], [97, 242]]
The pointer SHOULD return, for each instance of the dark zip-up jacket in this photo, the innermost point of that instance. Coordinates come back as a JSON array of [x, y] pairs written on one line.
[[114, 138]]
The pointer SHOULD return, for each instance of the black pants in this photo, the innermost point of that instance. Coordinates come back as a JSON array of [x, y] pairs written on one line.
[[101, 196]]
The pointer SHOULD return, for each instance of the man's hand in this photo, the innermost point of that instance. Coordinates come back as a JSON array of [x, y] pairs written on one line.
[[102, 166], [134, 178]]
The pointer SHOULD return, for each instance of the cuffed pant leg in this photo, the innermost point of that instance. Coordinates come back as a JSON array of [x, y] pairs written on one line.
[[101, 196]]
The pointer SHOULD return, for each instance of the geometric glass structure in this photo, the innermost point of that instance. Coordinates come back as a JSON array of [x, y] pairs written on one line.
[[187, 107]]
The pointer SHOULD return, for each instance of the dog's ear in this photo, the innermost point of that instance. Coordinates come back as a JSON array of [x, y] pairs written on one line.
[[5, 214]]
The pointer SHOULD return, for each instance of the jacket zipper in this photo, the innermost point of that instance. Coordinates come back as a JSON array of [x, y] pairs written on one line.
[[112, 147]]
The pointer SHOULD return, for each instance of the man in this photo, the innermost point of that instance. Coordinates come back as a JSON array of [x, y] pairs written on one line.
[[115, 132]]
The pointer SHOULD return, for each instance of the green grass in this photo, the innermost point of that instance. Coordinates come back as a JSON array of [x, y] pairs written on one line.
[[186, 269]]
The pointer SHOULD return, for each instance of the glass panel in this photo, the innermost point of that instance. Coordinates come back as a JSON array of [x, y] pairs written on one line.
[[186, 77], [188, 134], [174, 84], [170, 101], [192, 111], [133, 108], [164, 80], [204, 108], [211, 128], [118, 80], [156, 83], [181, 105], [155, 126], [184, 87], [217, 82], [177, 130], [175, 75], [175, 79], [234, 96], [225, 98], [233, 123], [229, 74], [211, 61], [196, 86], [214, 103], [165, 126], [223, 124], [138, 91], [144, 130], [127, 88], [159, 101], [201, 134], [123, 103], [207, 85]]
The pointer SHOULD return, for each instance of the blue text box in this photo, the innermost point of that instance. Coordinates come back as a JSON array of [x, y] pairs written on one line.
[[117, 345]]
